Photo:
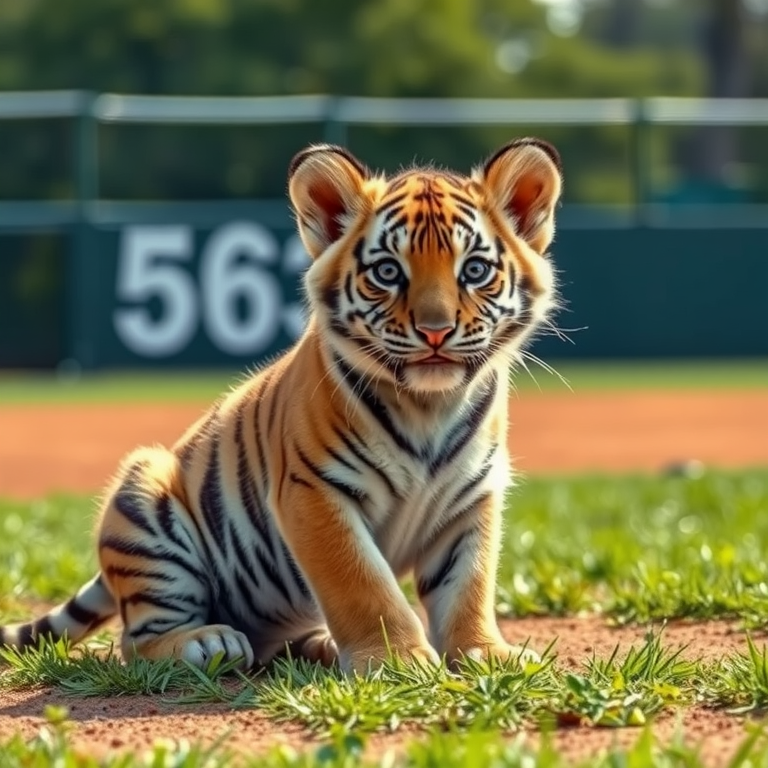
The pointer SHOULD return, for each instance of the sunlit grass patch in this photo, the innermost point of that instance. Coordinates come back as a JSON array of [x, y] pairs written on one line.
[[46, 549], [739, 681], [497, 695], [94, 671], [638, 548], [475, 749], [626, 688], [633, 548]]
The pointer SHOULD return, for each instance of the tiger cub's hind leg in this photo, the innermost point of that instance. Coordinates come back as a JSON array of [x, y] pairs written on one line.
[[152, 559]]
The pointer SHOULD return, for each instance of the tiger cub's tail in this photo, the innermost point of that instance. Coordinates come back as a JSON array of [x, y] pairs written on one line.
[[79, 617]]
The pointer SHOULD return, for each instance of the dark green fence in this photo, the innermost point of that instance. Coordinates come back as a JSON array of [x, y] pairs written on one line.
[[127, 284]]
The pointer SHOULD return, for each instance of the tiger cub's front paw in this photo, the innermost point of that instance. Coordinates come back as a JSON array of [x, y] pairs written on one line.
[[364, 660]]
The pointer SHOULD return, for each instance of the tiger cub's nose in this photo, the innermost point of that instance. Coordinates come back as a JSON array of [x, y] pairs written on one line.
[[435, 336]]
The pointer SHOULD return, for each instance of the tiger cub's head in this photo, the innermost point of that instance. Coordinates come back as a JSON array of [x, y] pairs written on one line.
[[428, 277]]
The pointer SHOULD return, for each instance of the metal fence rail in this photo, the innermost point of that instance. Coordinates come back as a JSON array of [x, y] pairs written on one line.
[[337, 114]]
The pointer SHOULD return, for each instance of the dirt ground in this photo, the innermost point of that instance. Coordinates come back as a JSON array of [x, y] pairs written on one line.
[[44, 449], [48, 448]]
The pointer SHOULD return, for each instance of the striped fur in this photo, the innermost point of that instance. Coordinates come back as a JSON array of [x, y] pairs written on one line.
[[374, 448]]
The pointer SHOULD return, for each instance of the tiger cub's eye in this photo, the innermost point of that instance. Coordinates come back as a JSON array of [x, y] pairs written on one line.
[[475, 270], [387, 271]]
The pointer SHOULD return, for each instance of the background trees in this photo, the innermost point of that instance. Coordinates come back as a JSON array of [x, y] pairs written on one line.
[[498, 48]]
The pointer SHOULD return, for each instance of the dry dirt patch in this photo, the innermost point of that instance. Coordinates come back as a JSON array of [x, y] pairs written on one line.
[[46, 448]]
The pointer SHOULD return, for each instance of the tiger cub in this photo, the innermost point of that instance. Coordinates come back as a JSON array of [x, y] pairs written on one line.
[[374, 448]]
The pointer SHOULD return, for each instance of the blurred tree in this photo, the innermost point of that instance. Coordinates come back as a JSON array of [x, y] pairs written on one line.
[[623, 26], [730, 39], [358, 47], [723, 38]]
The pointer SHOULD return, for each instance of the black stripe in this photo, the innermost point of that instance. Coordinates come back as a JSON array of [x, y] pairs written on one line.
[[397, 183], [260, 453], [341, 328], [134, 548], [140, 573], [360, 456], [160, 626], [268, 571], [202, 537], [495, 294], [374, 406], [210, 498], [330, 297], [355, 494], [294, 478], [396, 224], [273, 575], [44, 628], [247, 489], [175, 604], [189, 448], [165, 518], [454, 520], [296, 574], [458, 218], [134, 473], [241, 555], [357, 252], [348, 288], [272, 414], [132, 507], [425, 585], [25, 635], [389, 204], [465, 430], [254, 609], [468, 211], [340, 459], [80, 614], [475, 481]]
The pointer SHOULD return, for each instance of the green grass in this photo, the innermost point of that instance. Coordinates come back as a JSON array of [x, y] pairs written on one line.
[[206, 386], [635, 548], [46, 548], [639, 548], [122, 387], [625, 689], [476, 749]]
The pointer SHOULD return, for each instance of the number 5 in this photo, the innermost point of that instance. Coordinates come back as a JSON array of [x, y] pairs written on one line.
[[149, 266]]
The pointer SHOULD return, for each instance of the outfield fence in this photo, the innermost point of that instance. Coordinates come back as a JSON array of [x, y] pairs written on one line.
[[91, 282]]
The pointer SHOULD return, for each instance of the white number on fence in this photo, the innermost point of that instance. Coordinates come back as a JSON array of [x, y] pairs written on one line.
[[239, 299], [150, 266]]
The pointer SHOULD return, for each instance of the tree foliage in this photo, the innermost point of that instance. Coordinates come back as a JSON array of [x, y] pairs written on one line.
[[418, 48]]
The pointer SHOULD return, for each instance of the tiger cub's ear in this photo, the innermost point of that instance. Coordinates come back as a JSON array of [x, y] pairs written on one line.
[[523, 180], [325, 184]]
